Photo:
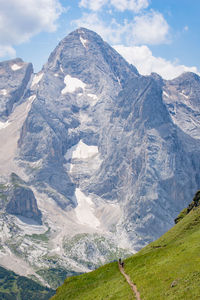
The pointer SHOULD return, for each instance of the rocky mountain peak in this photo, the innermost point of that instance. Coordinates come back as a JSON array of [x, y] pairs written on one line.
[[83, 52], [108, 156]]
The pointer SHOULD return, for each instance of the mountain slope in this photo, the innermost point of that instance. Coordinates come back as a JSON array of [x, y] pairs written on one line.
[[169, 267], [101, 154], [16, 287], [104, 283], [165, 269]]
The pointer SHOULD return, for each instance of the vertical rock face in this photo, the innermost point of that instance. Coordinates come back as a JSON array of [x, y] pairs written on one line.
[[14, 77], [107, 152], [75, 99], [23, 203], [158, 160], [98, 126]]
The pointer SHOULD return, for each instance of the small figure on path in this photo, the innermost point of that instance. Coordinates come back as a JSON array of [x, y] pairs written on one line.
[[120, 261], [132, 285]]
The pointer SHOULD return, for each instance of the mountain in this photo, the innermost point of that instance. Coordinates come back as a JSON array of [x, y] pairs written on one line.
[[15, 76], [165, 269], [96, 160], [15, 287]]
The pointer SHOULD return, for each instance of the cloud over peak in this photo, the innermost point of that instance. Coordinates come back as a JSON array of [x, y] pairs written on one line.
[[142, 58], [22, 19], [150, 28]]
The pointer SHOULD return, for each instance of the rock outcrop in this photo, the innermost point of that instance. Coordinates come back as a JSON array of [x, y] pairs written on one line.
[[193, 205], [14, 78], [23, 203]]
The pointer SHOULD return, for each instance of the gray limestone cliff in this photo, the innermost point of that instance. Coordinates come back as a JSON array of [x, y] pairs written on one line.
[[14, 77], [55, 122], [146, 160], [23, 203], [19, 199], [111, 156]]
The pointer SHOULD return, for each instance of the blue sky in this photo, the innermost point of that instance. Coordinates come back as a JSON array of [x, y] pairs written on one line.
[[155, 35]]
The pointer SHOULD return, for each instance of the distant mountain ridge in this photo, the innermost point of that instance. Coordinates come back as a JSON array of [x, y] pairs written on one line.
[[109, 156]]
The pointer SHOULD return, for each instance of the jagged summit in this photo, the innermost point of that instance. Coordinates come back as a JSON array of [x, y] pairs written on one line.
[[84, 49]]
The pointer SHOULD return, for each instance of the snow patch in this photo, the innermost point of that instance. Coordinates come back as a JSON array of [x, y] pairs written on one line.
[[184, 95], [4, 124], [84, 118], [165, 94], [3, 92], [85, 210], [31, 98], [16, 67], [85, 160], [36, 79], [84, 42], [72, 84], [82, 151], [94, 99], [93, 96]]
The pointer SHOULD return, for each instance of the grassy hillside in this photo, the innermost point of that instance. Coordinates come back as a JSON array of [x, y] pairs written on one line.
[[15, 287], [168, 268], [103, 283]]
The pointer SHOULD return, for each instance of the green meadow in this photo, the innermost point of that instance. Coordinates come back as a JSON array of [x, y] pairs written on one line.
[[168, 268], [104, 283]]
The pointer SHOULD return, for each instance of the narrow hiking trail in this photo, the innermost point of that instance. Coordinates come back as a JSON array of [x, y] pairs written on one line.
[[132, 285]]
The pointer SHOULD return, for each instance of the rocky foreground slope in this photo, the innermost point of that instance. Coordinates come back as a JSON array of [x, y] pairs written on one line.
[[102, 158]]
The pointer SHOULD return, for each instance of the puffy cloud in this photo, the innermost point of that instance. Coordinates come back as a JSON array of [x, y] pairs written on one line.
[[149, 28], [133, 5], [7, 51], [93, 5], [141, 57], [21, 19], [121, 5], [112, 32]]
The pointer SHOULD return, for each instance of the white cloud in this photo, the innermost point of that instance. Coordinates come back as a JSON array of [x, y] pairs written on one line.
[[111, 33], [150, 29], [22, 19], [133, 5], [7, 51], [142, 58], [121, 5], [93, 5]]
